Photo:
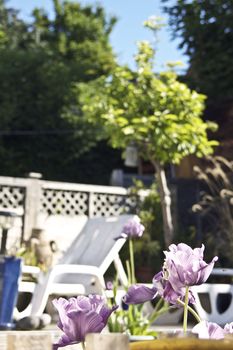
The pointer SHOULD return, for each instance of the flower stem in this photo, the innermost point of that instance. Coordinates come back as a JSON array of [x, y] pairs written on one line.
[[186, 300], [190, 309], [159, 304], [156, 313], [131, 254], [128, 272], [83, 345]]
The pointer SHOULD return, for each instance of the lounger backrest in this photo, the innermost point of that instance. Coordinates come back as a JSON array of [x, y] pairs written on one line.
[[96, 245]]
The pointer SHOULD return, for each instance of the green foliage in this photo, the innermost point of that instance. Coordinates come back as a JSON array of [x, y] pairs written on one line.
[[79, 35], [205, 29], [39, 62], [156, 111], [13, 31]]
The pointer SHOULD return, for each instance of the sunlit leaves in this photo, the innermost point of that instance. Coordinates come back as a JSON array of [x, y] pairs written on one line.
[[159, 113]]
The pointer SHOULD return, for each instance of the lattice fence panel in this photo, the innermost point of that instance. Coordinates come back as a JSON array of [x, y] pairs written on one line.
[[54, 202], [112, 204], [12, 197]]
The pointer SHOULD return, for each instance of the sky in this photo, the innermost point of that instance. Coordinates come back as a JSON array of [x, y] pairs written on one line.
[[128, 30]]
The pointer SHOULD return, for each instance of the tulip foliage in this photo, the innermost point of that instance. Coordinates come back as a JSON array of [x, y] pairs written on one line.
[[156, 112]]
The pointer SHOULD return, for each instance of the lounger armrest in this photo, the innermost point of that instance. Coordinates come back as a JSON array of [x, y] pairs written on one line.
[[61, 269], [34, 270], [47, 282]]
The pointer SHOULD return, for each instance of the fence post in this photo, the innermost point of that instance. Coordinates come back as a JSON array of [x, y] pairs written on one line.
[[32, 203], [91, 205]]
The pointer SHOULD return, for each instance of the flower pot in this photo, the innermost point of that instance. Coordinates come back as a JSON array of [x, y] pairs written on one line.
[[177, 334], [134, 338], [182, 344]]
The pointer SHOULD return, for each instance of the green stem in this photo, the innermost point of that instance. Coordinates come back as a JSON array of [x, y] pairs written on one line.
[[131, 254], [190, 309], [83, 345], [128, 272], [158, 304], [186, 300], [156, 314]]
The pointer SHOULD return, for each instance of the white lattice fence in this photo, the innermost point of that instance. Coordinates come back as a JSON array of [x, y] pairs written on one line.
[[36, 198], [85, 200], [112, 204], [70, 203], [12, 197]]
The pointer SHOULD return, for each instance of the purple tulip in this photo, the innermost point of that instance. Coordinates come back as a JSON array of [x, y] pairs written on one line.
[[185, 266], [133, 228], [166, 291], [109, 285], [79, 316], [208, 330], [138, 294], [228, 328]]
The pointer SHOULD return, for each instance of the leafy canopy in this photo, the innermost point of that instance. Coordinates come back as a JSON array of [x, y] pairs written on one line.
[[205, 30], [155, 111], [39, 62]]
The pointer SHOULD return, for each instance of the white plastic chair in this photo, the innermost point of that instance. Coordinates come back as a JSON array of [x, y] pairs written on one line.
[[81, 270], [214, 301]]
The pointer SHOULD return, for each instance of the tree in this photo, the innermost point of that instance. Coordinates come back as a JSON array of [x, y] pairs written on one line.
[[13, 31], [205, 29], [156, 112], [36, 75], [79, 35]]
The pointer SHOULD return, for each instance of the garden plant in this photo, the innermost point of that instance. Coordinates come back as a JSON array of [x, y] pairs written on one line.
[[182, 269]]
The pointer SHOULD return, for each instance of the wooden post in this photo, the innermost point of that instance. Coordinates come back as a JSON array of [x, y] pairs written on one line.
[[32, 204], [107, 341], [91, 206]]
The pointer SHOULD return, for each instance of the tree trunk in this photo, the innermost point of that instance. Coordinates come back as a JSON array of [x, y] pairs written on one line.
[[165, 197]]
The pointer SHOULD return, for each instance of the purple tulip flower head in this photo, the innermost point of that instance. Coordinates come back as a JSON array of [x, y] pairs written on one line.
[[133, 228], [166, 291], [138, 294], [185, 266], [80, 316], [208, 330]]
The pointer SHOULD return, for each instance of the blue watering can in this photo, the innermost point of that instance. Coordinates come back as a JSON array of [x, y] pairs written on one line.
[[10, 271]]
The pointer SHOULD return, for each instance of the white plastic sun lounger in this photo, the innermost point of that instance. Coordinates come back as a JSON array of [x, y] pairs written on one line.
[[214, 301], [81, 269]]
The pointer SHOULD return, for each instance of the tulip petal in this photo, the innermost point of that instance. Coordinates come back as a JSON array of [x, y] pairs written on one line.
[[79, 316], [83, 323], [185, 266], [138, 294], [208, 330]]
